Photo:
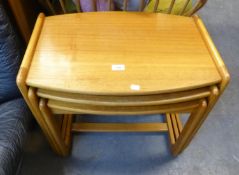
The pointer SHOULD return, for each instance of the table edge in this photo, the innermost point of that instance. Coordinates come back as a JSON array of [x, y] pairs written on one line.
[[223, 72], [218, 61]]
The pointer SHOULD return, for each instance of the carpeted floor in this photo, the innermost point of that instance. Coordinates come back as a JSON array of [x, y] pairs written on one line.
[[214, 150]]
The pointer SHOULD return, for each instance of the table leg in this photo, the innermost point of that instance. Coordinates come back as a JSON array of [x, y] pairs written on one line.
[[53, 127], [66, 129], [211, 102], [187, 132], [34, 104]]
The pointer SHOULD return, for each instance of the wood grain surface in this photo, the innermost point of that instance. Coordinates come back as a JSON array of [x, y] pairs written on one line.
[[161, 53], [133, 100], [75, 108]]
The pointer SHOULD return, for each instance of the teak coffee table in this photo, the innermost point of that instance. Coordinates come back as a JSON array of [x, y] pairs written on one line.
[[120, 63]]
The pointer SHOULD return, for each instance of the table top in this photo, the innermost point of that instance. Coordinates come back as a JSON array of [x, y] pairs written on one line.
[[126, 53]]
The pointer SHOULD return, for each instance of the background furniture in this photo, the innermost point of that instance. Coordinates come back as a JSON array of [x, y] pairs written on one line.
[[25, 12], [14, 113], [126, 6], [186, 74]]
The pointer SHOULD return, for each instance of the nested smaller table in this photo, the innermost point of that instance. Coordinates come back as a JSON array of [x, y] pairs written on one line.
[[120, 63]]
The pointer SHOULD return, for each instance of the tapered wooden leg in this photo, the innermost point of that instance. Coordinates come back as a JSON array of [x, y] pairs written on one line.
[[211, 102], [187, 133], [174, 126], [66, 129], [68, 136], [170, 128], [53, 126], [50, 125], [180, 125], [34, 104]]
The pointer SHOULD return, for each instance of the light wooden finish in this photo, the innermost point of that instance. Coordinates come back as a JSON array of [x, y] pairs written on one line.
[[119, 127], [54, 129], [34, 101], [120, 110], [214, 54], [59, 111], [64, 125], [211, 102], [170, 129], [175, 126], [23, 71], [139, 100], [66, 129], [68, 136], [171, 58], [179, 123], [137, 42], [186, 134], [28, 94]]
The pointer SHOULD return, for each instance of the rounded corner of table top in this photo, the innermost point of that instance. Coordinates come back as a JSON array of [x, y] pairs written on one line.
[[29, 53], [219, 63]]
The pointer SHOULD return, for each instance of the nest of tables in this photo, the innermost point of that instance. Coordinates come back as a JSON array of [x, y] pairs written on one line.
[[120, 63]]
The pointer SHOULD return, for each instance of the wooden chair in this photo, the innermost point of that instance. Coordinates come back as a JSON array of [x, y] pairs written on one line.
[[195, 7]]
